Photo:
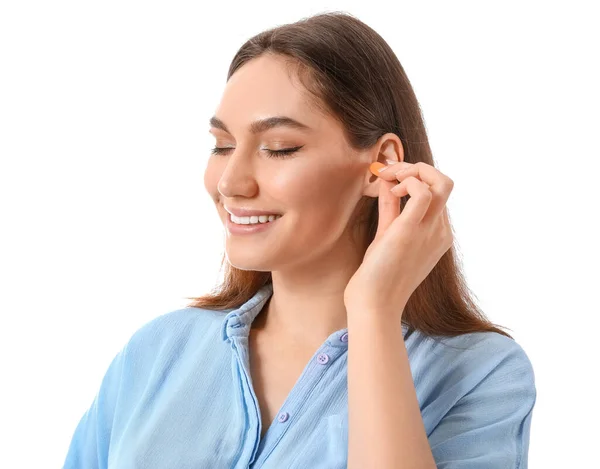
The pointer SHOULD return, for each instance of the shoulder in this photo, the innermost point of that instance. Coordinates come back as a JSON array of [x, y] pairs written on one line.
[[478, 349], [458, 365], [174, 331], [487, 351]]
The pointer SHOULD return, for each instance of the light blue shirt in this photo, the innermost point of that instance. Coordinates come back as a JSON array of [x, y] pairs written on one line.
[[179, 396]]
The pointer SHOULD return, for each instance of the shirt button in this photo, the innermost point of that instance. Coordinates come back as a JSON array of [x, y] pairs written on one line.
[[323, 358], [344, 337], [283, 416]]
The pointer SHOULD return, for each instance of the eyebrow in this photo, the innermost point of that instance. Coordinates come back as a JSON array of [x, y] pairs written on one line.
[[263, 125]]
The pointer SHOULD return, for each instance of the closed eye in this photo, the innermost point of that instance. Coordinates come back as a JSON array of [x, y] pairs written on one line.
[[272, 153]]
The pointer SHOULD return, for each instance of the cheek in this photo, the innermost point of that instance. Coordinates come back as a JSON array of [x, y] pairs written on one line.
[[301, 185], [313, 193]]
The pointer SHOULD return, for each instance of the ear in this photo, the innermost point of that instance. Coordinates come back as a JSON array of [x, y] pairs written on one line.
[[388, 147]]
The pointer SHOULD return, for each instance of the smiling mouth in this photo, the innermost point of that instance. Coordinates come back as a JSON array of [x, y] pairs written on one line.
[[253, 220]]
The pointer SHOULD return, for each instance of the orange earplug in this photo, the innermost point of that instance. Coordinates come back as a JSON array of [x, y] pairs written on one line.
[[377, 167]]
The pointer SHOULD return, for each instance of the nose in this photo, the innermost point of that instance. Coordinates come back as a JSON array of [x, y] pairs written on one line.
[[238, 176]]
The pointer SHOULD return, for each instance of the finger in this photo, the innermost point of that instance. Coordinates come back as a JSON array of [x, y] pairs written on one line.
[[388, 205], [386, 172], [419, 202], [439, 184]]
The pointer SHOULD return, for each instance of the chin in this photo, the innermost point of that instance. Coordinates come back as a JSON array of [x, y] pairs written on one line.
[[248, 262]]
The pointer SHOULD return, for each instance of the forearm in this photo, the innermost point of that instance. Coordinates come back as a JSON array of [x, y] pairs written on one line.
[[386, 430]]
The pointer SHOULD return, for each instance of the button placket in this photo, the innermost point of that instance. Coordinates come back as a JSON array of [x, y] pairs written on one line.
[[296, 400]]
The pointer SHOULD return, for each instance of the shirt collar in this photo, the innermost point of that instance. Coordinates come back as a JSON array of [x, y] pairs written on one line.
[[238, 321]]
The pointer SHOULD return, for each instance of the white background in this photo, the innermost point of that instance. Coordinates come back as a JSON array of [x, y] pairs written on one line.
[[105, 222]]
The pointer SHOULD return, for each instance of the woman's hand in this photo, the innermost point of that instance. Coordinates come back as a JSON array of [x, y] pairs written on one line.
[[407, 245]]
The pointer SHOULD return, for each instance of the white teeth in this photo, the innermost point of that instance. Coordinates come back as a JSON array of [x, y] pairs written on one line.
[[254, 219]]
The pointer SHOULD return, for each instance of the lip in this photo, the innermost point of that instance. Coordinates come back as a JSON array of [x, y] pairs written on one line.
[[246, 212], [236, 229]]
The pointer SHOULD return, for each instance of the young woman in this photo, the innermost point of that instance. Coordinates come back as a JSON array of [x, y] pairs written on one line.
[[342, 334]]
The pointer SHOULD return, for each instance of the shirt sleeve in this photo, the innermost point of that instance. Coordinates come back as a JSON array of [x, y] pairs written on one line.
[[488, 428], [90, 442]]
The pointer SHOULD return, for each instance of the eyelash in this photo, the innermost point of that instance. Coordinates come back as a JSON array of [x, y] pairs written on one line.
[[272, 153]]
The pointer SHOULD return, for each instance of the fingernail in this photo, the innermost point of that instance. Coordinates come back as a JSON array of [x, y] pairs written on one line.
[[377, 167], [390, 161]]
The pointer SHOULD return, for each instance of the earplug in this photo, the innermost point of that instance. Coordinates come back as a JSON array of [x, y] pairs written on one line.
[[377, 167]]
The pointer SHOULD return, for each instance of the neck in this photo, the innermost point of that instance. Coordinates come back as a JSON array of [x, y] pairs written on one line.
[[303, 316]]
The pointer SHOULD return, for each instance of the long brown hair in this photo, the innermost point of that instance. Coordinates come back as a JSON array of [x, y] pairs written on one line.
[[355, 77]]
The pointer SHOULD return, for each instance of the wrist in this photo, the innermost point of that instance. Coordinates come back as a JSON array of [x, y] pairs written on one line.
[[357, 313]]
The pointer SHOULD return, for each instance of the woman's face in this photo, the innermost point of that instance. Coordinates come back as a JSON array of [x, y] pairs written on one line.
[[315, 189]]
